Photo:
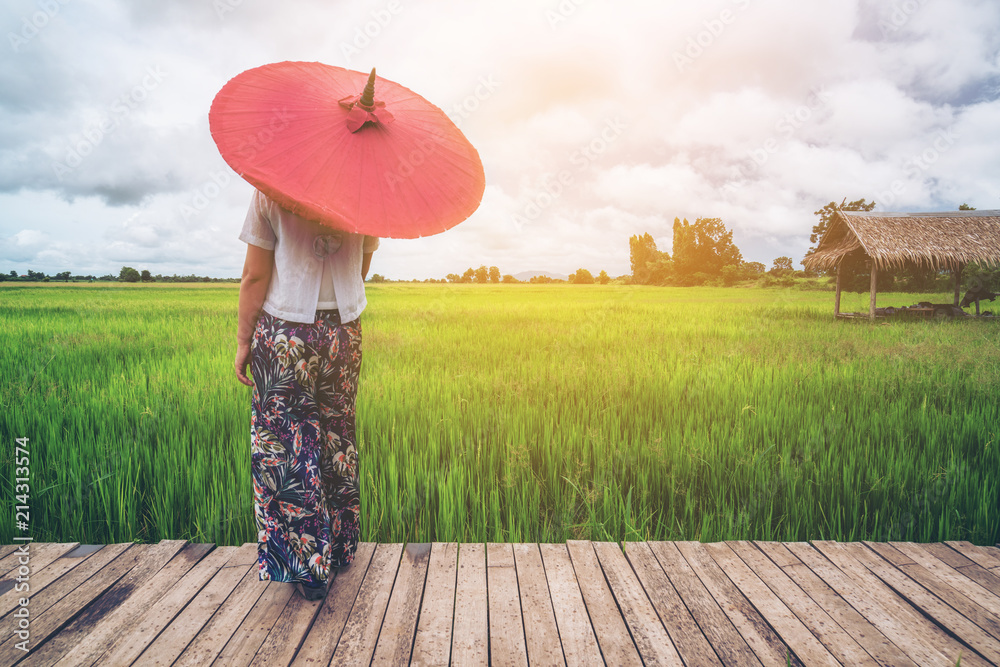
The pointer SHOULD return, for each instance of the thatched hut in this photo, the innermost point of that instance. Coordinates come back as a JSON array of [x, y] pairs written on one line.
[[946, 240]]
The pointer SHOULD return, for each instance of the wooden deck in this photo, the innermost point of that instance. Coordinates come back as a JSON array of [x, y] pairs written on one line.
[[579, 603]]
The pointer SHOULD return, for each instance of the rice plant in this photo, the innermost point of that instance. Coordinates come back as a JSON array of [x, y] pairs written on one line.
[[519, 413]]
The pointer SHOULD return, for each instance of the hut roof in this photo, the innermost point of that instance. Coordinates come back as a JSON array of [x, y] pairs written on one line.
[[940, 240]]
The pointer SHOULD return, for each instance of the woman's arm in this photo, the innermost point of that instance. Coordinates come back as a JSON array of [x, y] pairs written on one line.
[[253, 288], [366, 263]]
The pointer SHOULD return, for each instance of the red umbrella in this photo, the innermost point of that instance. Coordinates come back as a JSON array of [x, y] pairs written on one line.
[[372, 158]]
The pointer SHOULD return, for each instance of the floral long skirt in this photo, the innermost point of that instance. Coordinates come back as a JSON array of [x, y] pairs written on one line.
[[304, 458]]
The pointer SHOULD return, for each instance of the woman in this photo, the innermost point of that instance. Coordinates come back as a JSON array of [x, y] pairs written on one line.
[[301, 298]]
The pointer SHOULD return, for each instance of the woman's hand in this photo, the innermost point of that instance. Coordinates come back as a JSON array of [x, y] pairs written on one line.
[[242, 359]]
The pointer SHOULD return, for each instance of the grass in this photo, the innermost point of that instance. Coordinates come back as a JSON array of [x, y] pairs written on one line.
[[519, 413]]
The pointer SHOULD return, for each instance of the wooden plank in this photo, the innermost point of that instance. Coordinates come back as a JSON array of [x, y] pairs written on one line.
[[966, 566], [432, 643], [213, 638], [44, 577], [317, 649], [777, 552], [7, 549], [935, 598], [839, 645], [782, 620], [768, 646], [941, 609], [878, 604], [507, 644], [847, 617], [648, 633], [248, 638], [612, 634], [128, 646], [718, 629], [691, 644], [541, 634], [983, 597], [116, 608], [945, 554], [979, 555], [282, 641], [470, 640], [58, 603], [89, 648], [39, 555], [184, 627], [357, 642], [396, 638], [576, 634], [920, 632]]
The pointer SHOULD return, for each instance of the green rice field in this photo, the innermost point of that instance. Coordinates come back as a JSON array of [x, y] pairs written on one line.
[[518, 413]]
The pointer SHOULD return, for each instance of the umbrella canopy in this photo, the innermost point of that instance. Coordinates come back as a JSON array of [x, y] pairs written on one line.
[[352, 151]]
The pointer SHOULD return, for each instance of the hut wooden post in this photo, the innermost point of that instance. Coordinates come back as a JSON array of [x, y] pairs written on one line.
[[871, 302], [957, 271], [836, 299]]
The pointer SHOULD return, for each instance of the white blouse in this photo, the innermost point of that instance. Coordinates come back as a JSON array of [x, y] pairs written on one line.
[[315, 267]]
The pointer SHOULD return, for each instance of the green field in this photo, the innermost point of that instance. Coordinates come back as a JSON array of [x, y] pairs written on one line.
[[519, 413]]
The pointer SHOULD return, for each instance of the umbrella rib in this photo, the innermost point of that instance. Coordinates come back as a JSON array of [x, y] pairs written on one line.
[[428, 209]]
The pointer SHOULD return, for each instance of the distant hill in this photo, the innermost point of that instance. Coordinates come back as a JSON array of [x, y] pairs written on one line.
[[528, 275]]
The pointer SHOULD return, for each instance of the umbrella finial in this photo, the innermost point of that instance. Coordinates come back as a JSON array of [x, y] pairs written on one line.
[[368, 96]]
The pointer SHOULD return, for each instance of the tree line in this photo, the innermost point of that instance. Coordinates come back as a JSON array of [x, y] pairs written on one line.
[[703, 253], [126, 275], [484, 275]]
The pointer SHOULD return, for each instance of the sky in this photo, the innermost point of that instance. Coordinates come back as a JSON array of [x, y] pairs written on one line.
[[594, 120]]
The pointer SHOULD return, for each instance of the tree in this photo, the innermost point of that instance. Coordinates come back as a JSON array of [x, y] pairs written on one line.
[[782, 265], [494, 274], [13, 273], [705, 247], [582, 277], [482, 275], [128, 275], [453, 278], [510, 279], [642, 255], [62, 275], [966, 207], [603, 277], [377, 278], [826, 215], [145, 277], [754, 268], [468, 275]]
